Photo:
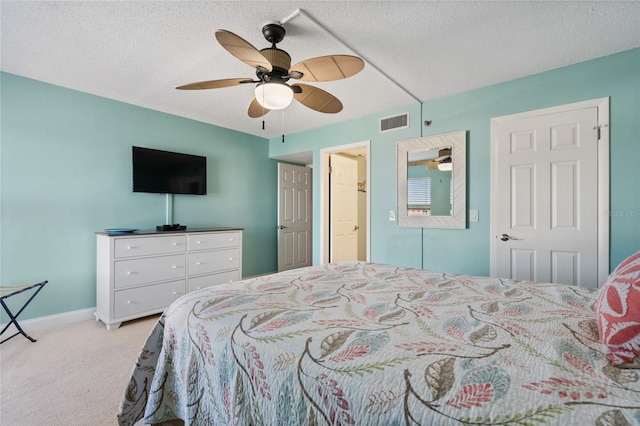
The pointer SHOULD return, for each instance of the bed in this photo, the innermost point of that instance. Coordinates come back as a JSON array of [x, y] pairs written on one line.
[[371, 344]]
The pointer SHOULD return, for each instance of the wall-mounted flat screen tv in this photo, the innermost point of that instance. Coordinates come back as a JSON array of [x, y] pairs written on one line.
[[166, 172]]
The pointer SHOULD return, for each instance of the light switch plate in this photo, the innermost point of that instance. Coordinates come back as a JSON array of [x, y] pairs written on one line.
[[392, 215], [473, 215]]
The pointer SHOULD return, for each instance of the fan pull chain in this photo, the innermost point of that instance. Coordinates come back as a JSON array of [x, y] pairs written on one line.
[[262, 124], [283, 126]]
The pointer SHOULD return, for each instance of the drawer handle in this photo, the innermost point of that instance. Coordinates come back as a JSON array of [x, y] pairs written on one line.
[[175, 292], [129, 272], [197, 288], [230, 239], [129, 302], [198, 263], [174, 244], [174, 267], [130, 247], [197, 242]]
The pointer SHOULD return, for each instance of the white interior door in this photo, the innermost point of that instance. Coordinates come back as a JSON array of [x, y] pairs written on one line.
[[545, 196], [344, 208], [294, 216]]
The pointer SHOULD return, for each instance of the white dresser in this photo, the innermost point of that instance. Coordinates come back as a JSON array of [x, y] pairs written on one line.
[[142, 273]]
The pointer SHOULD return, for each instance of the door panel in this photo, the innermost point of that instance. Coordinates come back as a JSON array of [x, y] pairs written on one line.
[[523, 262], [564, 267], [564, 195], [522, 196], [294, 216]]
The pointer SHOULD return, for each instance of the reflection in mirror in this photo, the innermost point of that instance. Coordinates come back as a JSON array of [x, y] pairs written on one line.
[[429, 183], [431, 175]]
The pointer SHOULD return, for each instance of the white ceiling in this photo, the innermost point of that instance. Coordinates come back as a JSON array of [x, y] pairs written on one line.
[[139, 51]]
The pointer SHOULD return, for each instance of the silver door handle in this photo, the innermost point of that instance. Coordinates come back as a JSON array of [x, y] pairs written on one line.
[[282, 227], [506, 237]]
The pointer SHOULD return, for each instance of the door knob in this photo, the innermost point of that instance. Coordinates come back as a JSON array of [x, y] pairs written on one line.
[[506, 237], [282, 227], [355, 228]]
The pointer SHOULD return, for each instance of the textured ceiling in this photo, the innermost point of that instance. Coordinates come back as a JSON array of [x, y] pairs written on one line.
[[138, 52]]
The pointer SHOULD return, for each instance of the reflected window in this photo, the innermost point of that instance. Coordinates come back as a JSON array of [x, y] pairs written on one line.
[[419, 196]]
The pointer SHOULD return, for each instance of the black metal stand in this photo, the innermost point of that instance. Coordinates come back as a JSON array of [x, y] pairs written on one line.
[[12, 291]]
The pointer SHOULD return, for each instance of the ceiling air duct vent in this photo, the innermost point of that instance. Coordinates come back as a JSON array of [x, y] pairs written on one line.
[[396, 122]]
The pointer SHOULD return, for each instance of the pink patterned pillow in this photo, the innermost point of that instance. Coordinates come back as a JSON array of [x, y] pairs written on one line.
[[618, 311]]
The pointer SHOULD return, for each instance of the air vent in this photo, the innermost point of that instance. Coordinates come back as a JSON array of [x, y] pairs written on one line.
[[396, 122]]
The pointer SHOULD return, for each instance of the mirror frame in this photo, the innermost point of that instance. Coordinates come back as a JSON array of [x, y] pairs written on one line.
[[458, 143]]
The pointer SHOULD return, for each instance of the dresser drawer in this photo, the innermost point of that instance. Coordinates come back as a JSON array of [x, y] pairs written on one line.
[[133, 272], [130, 247], [145, 299], [206, 262], [213, 241], [214, 279]]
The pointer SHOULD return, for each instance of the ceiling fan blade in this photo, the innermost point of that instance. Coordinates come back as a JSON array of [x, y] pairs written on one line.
[[215, 84], [419, 163], [328, 68], [317, 99], [242, 49], [256, 110]]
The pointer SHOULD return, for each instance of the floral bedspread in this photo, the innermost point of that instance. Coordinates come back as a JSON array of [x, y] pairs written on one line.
[[371, 344]]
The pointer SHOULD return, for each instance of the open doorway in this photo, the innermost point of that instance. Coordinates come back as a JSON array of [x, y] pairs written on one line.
[[344, 203]]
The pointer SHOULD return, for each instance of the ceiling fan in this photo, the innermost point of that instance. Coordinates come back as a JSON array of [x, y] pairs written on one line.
[[441, 162], [273, 69]]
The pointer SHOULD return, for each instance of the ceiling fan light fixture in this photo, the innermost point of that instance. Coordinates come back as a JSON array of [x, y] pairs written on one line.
[[274, 95], [445, 166]]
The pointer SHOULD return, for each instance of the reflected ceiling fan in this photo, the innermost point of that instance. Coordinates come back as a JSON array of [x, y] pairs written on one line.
[[273, 69], [441, 162]]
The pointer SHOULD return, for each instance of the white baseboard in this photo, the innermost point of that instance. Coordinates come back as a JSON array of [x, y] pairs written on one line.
[[51, 321]]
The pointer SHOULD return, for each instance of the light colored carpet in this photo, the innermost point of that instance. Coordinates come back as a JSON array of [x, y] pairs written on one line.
[[73, 375]]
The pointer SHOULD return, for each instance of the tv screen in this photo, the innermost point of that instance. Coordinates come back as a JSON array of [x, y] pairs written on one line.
[[166, 172]]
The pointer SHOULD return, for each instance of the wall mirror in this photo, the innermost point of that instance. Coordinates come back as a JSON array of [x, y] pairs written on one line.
[[432, 181]]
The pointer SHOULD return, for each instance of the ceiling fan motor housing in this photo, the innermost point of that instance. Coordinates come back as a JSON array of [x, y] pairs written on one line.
[[280, 63], [273, 32], [277, 58]]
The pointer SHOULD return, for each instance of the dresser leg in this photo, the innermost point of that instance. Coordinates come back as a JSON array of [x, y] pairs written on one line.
[[114, 326]]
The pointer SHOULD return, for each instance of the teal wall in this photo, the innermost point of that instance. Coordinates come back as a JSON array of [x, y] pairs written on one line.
[[65, 159], [467, 251], [65, 172]]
